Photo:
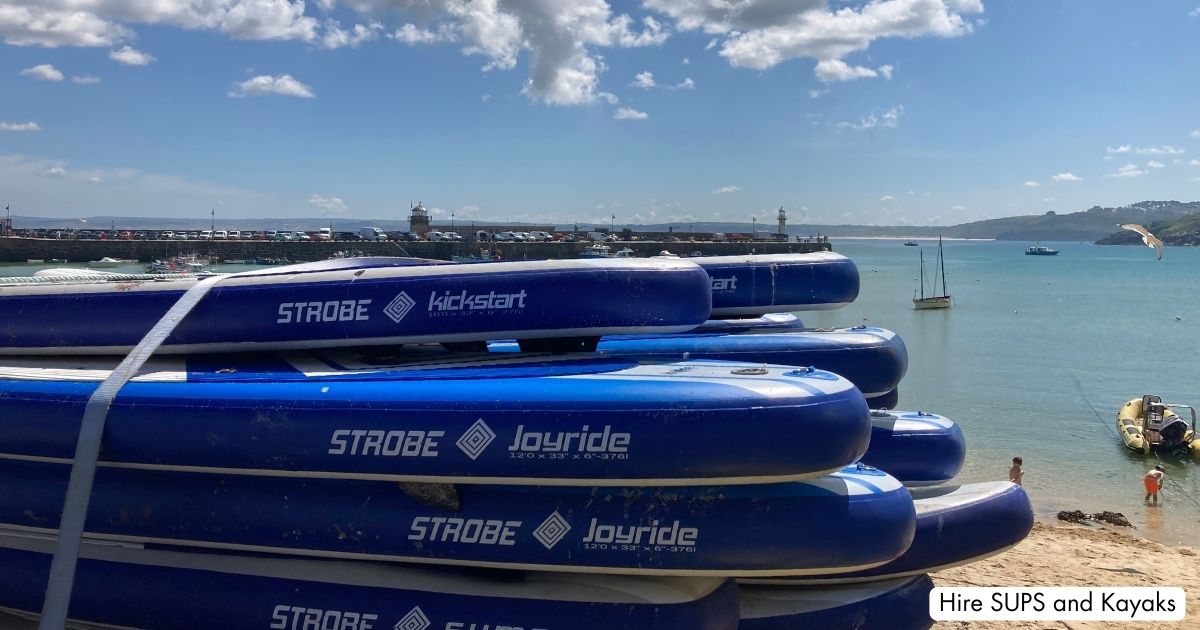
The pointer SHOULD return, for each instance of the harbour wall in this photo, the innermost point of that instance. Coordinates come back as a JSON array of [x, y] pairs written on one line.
[[19, 249]]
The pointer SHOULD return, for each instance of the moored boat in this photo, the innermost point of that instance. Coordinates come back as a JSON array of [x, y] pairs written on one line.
[[1148, 425], [933, 300], [1040, 250]]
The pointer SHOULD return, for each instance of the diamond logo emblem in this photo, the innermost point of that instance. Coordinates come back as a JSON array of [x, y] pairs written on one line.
[[552, 530], [414, 620], [476, 439], [399, 307]]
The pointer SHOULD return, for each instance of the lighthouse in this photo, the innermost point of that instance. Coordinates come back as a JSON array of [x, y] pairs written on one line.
[[782, 218], [418, 221]]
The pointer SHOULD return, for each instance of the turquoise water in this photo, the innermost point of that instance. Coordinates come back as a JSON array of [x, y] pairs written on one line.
[[1037, 355], [1034, 360]]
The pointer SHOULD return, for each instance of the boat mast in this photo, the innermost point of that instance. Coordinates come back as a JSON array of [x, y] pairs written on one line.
[[922, 274], [942, 264]]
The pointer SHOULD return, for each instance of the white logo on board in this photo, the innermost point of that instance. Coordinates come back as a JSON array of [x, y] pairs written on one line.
[[414, 620], [552, 530], [476, 439], [399, 307]]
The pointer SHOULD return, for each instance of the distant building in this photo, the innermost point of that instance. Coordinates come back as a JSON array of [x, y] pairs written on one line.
[[782, 217], [418, 221]]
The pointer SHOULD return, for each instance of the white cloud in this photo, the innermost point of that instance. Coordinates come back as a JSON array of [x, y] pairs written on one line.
[[890, 118], [1066, 177], [130, 57], [96, 179], [817, 93], [25, 126], [628, 113], [1162, 149], [412, 35], [958, 207], [337, 37], [1155, 164], [485, 97], [686, 61], [834, 70], [1194, 162], [1194, 12], [283, 85], [329, 205], [726, 189], [1031, 184], [763, 34], [85, 80], [43, 72], [1129, 170], [644, 80], [1047, 199], [887, 198], [1195, 134], [53, 171], [686, 84]]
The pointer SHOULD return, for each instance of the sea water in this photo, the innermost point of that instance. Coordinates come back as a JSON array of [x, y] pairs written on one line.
[[1037, 355], [1034, 360]]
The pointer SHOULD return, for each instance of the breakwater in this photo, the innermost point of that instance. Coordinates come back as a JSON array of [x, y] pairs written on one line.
[[20, 249]]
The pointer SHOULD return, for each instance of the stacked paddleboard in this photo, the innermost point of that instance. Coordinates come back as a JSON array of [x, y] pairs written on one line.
[[295, 456], [347, 444]]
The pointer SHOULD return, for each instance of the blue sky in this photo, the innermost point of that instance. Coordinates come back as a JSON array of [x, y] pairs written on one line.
[[887, 112]]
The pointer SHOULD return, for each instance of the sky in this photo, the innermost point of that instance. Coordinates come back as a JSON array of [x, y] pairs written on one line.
[[890, 112]]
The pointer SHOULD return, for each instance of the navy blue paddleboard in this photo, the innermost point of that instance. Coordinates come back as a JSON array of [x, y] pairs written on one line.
[[874, 359], [754, 284], [901, 604], [352, 301], [128, 585], [956, 525], [918, 448], [432, 415], [849, 521]]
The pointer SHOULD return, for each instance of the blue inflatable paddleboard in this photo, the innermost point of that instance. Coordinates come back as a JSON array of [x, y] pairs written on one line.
[[901, 604], [956, 525], [370, 301], [874, 359], [754, 284], [918, 448], [770, 321], [432, 415], [848, 521], [128, 585]]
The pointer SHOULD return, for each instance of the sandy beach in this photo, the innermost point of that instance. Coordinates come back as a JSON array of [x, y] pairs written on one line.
[[1068, 555]]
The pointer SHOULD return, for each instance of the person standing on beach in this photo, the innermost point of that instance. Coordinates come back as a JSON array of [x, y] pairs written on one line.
[[1154, 483], [1015, 474]]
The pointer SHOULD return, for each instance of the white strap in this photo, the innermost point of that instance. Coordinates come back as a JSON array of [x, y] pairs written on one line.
[[87, 451]]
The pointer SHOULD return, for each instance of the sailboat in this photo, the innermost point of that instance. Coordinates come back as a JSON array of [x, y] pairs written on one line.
[[933, 301]]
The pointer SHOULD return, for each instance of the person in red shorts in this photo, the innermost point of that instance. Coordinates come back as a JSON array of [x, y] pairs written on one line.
[[1153, 482]]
